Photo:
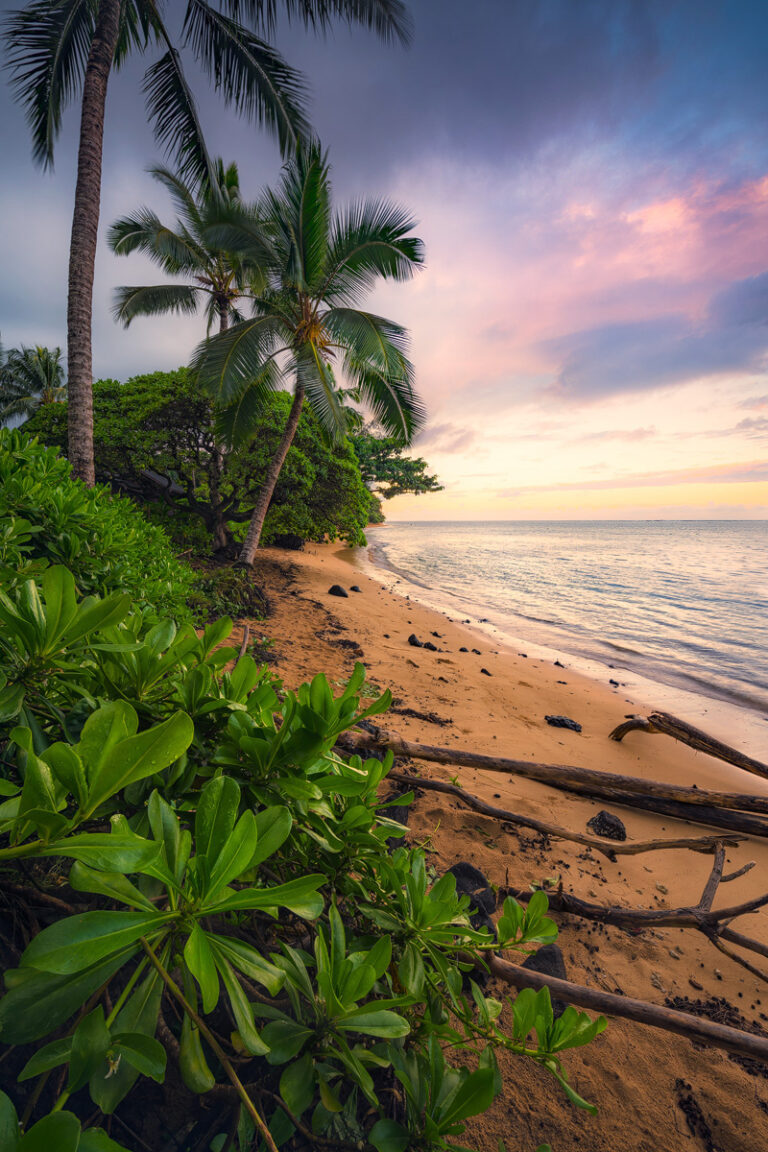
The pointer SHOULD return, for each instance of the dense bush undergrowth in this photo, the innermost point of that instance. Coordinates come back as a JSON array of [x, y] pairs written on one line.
[[201, 892]]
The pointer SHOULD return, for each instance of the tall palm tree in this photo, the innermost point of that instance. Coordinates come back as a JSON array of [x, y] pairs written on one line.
[[214, 277], [30, 377], [306, 321], [61, 48]]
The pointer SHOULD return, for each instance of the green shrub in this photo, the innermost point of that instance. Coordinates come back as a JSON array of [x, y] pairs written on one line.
[[154, 438], [244, 888], [47, 517]]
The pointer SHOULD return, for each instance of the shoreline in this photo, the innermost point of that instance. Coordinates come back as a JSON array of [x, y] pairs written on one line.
[[633, 1074], [741, 721]]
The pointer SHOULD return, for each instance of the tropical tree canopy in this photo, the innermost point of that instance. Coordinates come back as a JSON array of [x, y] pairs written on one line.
[[213, 277], [30, 377], [387, 471], [306, 326]]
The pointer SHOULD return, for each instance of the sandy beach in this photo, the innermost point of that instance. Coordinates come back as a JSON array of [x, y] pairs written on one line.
[[655, 1092]]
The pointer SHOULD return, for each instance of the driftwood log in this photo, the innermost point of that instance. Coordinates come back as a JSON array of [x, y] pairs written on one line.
[[609, 848], [663, 722], [682, 1023], [732, 812], [714, 924]]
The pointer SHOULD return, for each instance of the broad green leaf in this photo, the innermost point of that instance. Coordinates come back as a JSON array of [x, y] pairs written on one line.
[[59, 1130], [473, 1096], [93, 613], [389, 1136], [299, 896], [50, 1056], [241, 1010], [41, 1001], [113, 885], [109, 851], [297, 1084], [285, 1038], [140, 756], [248, 961], [89, 1045], [215, 817], [145, 1053], [96, 1140], [200, 961], [374, 1023], [60, 602], [103, 730], [108, 1087], [234, 856], [76, 942], [9, 1125], [67, 768]]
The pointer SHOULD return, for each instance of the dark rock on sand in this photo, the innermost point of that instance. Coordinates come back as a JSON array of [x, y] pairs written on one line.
[[414, 641], [485, 672], [606, 824], [471, 882], [354, 588], [337, 590], [463, 649], [563, 722], [430, 646], [477, 652], [549, 961]]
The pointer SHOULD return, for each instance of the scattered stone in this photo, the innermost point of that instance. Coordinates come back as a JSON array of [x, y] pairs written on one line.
[[663, 889], [471, 882], [477, 652], [657, 982], [437, 635], [414, 641], [429, 717], [563, 722], [463, 649], [605, 824], [483, 620], [484, 672], [337, 590], [558, 664], [430, 646], [549, 961], [614, 682], [695, 984], [354, 588]]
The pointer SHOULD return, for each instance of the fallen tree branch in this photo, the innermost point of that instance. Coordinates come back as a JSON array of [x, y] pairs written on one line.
[[626, 1007], [609, 848], [719, 810], [663, 722]]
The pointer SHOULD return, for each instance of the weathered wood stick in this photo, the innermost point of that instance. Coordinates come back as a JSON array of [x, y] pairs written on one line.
[[609, 848], [554, 774], [663, 722], [682, 1023]]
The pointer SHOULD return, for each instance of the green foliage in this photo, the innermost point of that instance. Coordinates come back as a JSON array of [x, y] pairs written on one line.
[[47, 517], [154, 438], [226, 858], [29, 377], [387, 471]]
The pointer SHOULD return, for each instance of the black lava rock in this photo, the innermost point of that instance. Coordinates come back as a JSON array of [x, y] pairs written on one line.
[[563, 722], [477, 652], [549, 961], [471, 882], [606, 824], [414, 641], [485, 672], [558, 664], [400, 813], [337, 590], [463, 649], [430, 646], [354, 588]]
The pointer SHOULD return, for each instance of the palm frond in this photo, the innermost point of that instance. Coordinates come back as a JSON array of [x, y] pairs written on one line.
[[315, 376], [301, 210], [47, 45], [237, 422], [136, 27], [388, 18], [377, 365], [369, 241], [229, 363], [368, 336], [171, 108], [145, 232], [251, 75], [182, 194], [240, 232], [156, 300], [391, 398]]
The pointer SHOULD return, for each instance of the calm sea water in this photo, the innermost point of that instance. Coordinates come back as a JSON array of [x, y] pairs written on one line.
[[680, 602]]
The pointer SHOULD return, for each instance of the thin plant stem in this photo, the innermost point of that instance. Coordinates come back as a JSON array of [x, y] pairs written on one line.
[[233, 1077]]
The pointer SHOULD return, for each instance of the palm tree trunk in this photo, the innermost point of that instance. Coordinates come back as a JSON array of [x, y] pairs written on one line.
[[220, 534], [251, 542], [82, 249]]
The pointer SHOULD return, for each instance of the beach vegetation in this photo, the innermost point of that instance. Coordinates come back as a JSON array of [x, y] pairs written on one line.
[[317, 263], [29, 377], [387, 472], [155, 439], [228, 906], [59, 52]]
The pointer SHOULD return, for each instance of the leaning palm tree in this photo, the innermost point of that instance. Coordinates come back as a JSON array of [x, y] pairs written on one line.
[[305, 322], [58, 49], [210, 275], [30, 377]]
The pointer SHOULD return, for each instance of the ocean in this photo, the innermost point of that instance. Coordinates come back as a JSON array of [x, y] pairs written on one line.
[[677, 603]]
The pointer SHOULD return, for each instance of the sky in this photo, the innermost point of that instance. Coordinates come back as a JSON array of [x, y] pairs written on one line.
[[590, 179]]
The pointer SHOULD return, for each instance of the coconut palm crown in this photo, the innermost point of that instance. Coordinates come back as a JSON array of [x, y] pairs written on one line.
[[214, 278], [30, 377], [306, 325]]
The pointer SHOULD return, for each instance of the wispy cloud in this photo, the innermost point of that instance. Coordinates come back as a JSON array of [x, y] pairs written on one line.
[[754, 471]]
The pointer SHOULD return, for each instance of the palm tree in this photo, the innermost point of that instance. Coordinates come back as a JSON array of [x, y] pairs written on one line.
[[306, 320], [60, 48], [214, 278], [30, 377]]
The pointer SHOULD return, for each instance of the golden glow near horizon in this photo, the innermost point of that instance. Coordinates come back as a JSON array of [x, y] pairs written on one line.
[[599, 358]]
